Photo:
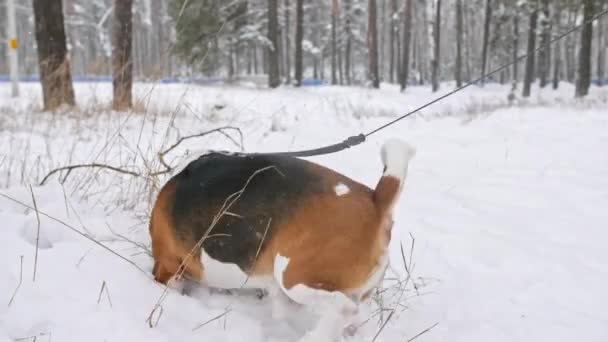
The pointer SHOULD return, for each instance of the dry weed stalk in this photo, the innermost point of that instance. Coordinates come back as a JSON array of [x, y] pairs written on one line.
[[20, 281], [37, 233]]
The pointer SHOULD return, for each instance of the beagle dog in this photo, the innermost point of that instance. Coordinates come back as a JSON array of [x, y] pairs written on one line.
[[300, 231]]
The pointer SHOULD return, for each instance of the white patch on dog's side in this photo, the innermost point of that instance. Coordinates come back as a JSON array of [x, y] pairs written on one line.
[[335, 309], [396, 155], [341, 189], [227, 275]]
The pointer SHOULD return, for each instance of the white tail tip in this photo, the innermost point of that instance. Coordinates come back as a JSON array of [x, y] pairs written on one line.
[[396, 155]]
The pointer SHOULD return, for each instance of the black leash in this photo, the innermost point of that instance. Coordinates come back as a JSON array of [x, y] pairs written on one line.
[[360, 138]]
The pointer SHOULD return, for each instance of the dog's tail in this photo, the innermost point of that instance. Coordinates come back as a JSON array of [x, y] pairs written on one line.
[[396, 155]]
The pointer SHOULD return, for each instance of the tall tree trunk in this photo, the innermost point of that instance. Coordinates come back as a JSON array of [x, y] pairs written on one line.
[[122, 61], [299, 38], [54, 64], [571, 46], [557, 53], [459, 33], [255, 59], [584, 56], [287, 43], [334, 18], [392, 31], [407, 37], [486, 38], [347, 48], [544, 55], [372, 43], [273, 51], [437, 46], [340, 70], [515, 72], [249, 59], [529, 76], [467, 44], [601, 49]]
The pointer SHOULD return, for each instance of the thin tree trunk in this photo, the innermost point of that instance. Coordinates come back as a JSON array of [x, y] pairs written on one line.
[[53, 60], [601, 50], [340, 72], [584, 56], [299, 38], [274, 78], [437, 53], [372, 43], [249, 59], [122, 60], [255, 59], [287, 43], [529, 76], [347, 48], [544, 55], [459, 33], [392, 28], [515, 72], [571, 47], [557, 53], [334, 18], [486, 37], [407, 37]]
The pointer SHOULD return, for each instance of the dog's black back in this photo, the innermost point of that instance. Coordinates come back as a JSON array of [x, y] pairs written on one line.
[[250, 194]]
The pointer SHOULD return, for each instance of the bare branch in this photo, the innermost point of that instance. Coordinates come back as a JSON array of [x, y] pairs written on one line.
[[220, 130], [92, 165]]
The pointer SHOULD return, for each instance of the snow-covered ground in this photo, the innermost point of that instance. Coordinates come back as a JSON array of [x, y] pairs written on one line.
[[507, 204]]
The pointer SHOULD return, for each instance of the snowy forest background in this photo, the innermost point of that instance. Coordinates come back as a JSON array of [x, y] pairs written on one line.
[[351, 42]]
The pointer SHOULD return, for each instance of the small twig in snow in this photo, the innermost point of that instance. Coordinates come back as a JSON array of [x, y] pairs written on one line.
[[212, 319], [151, 322], [383, 325], [423, 332], [83, 256], [104, 286], [20, 281]]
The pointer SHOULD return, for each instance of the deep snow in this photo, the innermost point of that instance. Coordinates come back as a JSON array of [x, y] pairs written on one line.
[[507, 205]]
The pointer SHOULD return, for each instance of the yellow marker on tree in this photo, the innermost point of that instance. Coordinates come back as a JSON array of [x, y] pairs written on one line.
[[12, 43]]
